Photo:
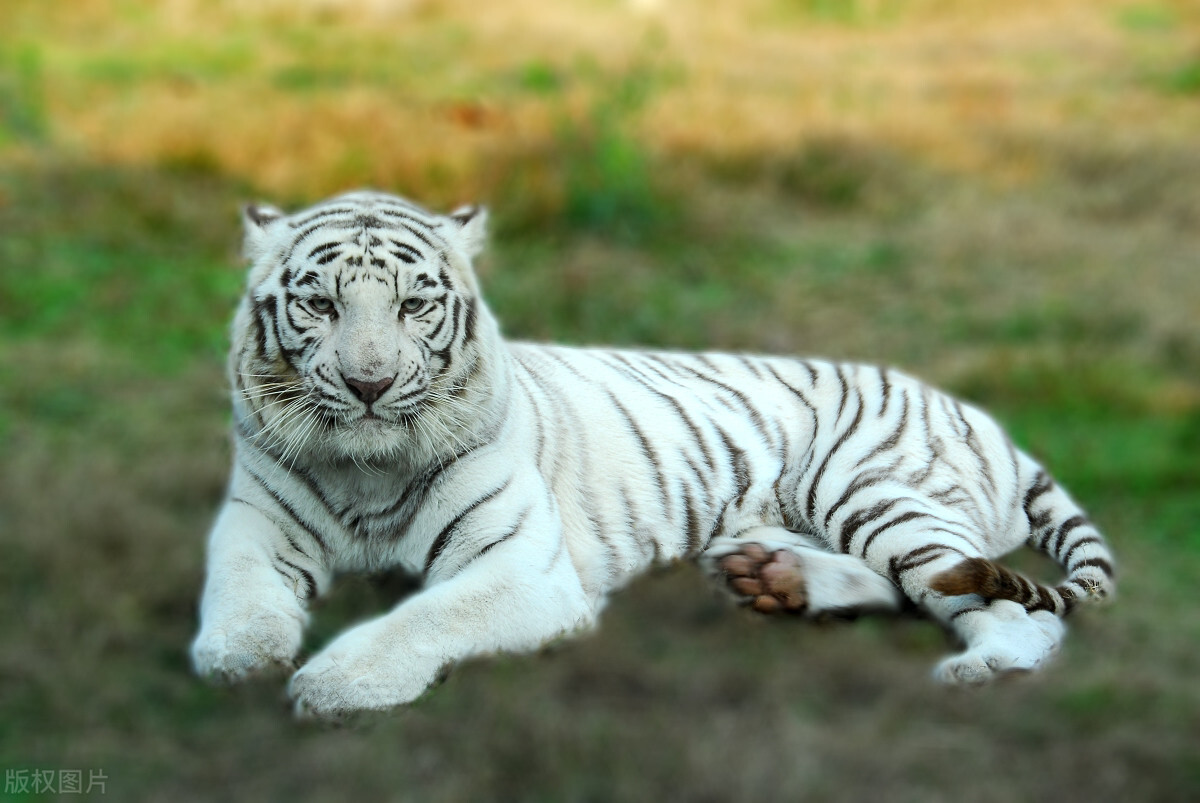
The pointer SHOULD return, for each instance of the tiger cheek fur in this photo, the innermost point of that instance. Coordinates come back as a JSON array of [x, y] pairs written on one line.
[[381, 421]]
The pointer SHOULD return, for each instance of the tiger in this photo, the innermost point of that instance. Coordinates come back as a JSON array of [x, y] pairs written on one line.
[[381, 422]]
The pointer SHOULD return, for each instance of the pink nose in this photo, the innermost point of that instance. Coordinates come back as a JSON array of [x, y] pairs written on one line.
[[368, 392]]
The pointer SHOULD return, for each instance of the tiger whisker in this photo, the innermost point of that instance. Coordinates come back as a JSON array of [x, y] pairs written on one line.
[[283, 417]]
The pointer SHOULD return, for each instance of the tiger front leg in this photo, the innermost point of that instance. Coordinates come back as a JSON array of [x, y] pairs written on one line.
[[512, 598], [252, 611]]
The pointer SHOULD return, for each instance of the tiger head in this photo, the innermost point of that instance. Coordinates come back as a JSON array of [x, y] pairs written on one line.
[[361, 333]]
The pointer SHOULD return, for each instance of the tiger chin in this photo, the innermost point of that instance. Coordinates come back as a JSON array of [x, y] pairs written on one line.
[[382, 422]]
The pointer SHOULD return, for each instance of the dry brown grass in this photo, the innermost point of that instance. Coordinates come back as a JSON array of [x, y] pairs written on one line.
[[430, 97]]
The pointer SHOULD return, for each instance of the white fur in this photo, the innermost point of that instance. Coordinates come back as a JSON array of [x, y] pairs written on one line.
[[1000, 640], [524, 483]]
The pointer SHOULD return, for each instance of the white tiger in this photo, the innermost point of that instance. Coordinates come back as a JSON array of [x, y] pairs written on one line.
[[381, 421]]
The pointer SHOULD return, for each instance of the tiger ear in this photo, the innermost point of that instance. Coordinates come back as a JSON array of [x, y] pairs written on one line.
[[471, 223], [256, 221]]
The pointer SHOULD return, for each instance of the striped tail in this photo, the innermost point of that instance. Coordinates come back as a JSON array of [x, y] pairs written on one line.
[[1059, 529]]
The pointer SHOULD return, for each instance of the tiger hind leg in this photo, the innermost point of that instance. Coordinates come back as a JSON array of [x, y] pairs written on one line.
[[1001, 638], [774, 570], [935, 563]]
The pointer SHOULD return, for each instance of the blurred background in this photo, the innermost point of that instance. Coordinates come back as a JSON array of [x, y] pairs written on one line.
[[1003, 198]]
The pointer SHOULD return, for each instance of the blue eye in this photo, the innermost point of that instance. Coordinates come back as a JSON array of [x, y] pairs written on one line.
[[321, 306], [411, 305]]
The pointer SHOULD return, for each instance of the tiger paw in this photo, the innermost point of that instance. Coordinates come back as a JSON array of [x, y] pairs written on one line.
[[771, 582], [358, 672], [251, 646], [1002, 639]]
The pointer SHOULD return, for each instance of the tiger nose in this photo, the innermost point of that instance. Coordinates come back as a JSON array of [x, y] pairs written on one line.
[[368, 392]]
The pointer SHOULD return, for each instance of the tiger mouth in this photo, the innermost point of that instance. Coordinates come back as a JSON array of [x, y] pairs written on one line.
[[395, 418]]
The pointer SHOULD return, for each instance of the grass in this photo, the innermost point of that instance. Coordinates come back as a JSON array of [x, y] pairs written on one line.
[[999, 200]]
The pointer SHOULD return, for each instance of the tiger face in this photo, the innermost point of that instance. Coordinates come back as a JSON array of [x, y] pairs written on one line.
[[358, 324]]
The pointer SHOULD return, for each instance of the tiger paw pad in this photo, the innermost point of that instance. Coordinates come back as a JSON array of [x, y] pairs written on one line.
[[771, 582]]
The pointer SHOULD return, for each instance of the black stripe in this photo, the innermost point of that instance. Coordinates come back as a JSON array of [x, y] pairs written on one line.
[[959, 613], [296, 242], [974, 444], [858, 518], [796, 392], [739, 466], [885, 391], [945, 494], [697, 435], [471, 316], [812, 489], [1063, 529], [756, 416], [917, 558], [407, 216], [394, 203], [439, 542], [322, 248], [692, 517], [309, 582], [594, 517], [512, 531], [861, 482], [890, 442], [318, 493], [448, 308], [1099, 563], [324, 213], [524, 378], [412, 498], [284, 351], [845, 392], [901, 519], [1042, 483], [1036, 523], [421, 236], [647, 450], [753, 365], [932, 441], [1090, 539], [802, 469], [307, 528], [263, 311], [633, 373]]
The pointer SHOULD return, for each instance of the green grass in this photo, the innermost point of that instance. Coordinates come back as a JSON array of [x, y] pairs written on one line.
[[22, 116]]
